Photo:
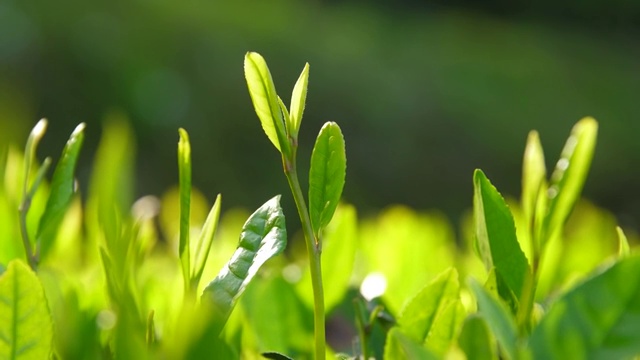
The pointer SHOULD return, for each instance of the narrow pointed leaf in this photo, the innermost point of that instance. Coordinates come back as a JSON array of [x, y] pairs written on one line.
[[62, 189], [570, 174], [30, 150], [419, 315], [497, 317], [205, 240], [598, 319], [400, 346], [534, 173], [275, 356], [475, 339], [623, 248], [26, 330], [264, 98], [326, 176], [496, 234], [184, 171], [263, 236], [298, 100]]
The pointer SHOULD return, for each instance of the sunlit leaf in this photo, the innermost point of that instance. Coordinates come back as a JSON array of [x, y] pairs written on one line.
[[326, 176], [400, 346], [598, 319], [26, 330], [61, 190], [446, 327], [263, 236], [534, 174], [265, 100], [184, 170], [30, 151], [475, 339], [623, 248], [496, 234], [570, 174], [298, 100], [419, 315], [497, 318], [205, 240]]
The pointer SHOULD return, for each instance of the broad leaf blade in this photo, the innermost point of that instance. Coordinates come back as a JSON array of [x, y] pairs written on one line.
[[264, 98], [445, 328], [206, 238], [184, 170], [496, 234], [62, 189], [326, 176], [26, 330], [400, 346], [263, 236], [599, 318], [497, 317], [419, 315], [569, 174], [298, 100]]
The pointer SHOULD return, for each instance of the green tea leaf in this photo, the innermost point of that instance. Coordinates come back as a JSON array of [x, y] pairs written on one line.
[[30, 151], [475, 339], [446, 327], [62, 189], [275, 356], [598, 319], [205, 240], [263, 236], [298, 99], [496, 234], [184, 170], [265, 100], [26, 330], [570, 174], [326, 176], [623, 248], [419, 315], [400, 346], [534, 174], [497, 317]]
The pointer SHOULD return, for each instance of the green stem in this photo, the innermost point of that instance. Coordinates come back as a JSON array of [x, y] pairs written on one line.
[[23, 210], [314, 250]]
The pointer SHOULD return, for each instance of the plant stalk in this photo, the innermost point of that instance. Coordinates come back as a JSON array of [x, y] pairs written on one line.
[[314, 251]]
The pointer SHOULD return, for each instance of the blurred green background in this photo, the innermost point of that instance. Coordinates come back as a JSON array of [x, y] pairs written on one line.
[[425, 91]]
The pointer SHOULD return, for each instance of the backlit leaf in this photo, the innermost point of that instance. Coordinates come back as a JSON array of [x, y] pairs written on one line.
[[205, 240], [62, 189], [184, 170], [570, 174], [26, 330], [496, 234], [298, 100], [400, 346], [326, 176], [598, 319], [263, 236], [534, 174], [265, 100]]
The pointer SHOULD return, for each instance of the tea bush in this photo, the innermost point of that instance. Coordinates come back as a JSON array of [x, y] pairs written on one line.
[[547, 277]]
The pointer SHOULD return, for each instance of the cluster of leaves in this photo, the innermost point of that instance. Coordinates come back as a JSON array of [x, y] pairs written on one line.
[[108, 277]]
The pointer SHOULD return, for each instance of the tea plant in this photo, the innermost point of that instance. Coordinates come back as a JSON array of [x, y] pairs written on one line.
[[546, 277]]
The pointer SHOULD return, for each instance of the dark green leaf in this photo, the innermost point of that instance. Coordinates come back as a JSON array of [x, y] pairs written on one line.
[[496, 234], [298, 99], [265, 100], [263, 236], [475, 339], [62, 189], [497, 317], [275, 356], [184, 170], [569, 174], [326, 176], [26, 330], [400, 346], [206, 238], [598, 319]]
